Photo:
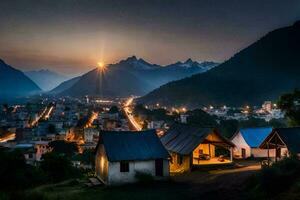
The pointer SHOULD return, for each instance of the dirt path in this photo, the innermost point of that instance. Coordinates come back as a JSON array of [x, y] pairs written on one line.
[[218, 184]]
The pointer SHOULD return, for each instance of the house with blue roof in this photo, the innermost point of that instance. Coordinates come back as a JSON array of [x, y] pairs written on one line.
[[248, 140], [121, 156]]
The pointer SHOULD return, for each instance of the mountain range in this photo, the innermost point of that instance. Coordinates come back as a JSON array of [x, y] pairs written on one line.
[[131, 76], [262, 71], [46, 79], [14, 83]]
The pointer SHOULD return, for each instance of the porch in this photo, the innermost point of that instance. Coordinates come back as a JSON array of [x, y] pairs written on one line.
[[212, 161], [212, 151]]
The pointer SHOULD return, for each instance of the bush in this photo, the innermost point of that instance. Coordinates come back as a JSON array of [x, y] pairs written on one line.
[[4, 196], [58, 167], [87, 157], [278, 178], [16, 174], [63, 147], [144, 177]]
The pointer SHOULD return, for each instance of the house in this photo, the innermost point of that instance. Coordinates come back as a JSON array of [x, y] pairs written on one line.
[[89, 134], [285, 142], [24, 134], [33, 150], [41, 148], [155, 124], [183, 118], [191, 147], [248, 140], [122, 155], [111, 124], [28, 151]]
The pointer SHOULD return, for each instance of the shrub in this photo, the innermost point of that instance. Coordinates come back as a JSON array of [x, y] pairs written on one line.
[[144, 177], [58, 167], [276, 179], [63, 147], [16, 174]]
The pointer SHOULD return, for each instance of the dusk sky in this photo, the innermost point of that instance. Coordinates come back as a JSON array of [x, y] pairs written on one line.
[[71, 36]]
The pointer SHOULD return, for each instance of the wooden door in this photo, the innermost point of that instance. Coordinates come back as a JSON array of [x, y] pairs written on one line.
[[159, 167], [278, 153], [243, 153]]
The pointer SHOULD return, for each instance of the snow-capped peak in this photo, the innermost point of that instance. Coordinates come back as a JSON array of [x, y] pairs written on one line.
[[189, 63], [137, 63]]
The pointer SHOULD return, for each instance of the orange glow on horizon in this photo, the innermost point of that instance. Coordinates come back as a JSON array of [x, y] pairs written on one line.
[[101, 66]]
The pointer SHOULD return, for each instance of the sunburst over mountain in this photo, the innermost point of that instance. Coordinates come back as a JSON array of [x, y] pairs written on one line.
[[131, 76]]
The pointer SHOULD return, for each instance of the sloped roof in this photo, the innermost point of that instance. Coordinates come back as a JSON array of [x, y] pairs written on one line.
[[183, 139], [132, 145], [255, 136], [291, 137]]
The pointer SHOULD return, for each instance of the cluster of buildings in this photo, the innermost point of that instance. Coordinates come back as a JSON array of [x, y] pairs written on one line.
[[122, 156], [32, 126], [267, 112]]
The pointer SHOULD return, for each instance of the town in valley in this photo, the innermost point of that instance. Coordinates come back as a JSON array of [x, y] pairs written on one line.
[[149, 99]]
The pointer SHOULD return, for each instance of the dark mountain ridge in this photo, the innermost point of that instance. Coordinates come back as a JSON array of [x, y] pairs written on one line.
[[262, 71], [46, 79], [14, 83]]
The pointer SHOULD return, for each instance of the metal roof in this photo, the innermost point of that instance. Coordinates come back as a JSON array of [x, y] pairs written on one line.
[[132, 145], [183, 139], [255, 136]]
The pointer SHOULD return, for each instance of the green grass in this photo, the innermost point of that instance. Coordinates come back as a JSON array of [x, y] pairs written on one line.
[[73, 190]]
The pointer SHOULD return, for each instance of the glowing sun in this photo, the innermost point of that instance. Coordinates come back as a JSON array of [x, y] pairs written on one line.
[[101, 66]]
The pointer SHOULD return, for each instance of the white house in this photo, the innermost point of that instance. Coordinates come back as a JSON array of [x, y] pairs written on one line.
[[41, 148], [155, 124], [248, 140], [89, 134], [122, 155]]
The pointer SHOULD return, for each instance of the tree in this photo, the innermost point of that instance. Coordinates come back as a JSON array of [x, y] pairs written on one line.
[[15, 173], [253, 122], [51, 128], [290, 104], [64, 148], [277, 123], [5, 107], [200, 118], [67, 108], [139, 109], [87, 157], [145, 125], [228, 127], [113, 109], [58, 167]]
